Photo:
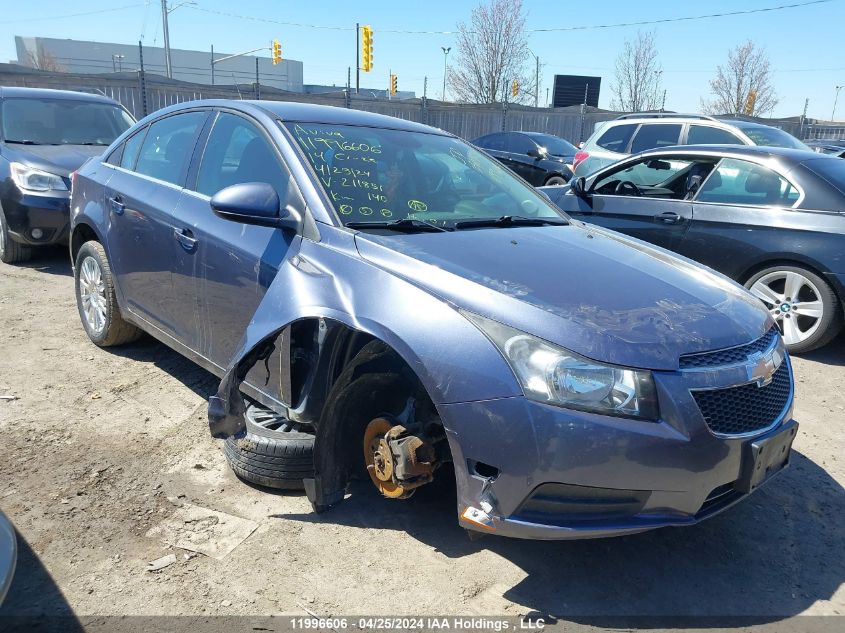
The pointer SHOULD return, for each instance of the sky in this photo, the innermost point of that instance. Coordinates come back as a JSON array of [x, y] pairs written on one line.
[[805, 44]]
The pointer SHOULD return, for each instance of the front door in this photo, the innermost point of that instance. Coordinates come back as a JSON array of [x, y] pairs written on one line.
[[222, 277]]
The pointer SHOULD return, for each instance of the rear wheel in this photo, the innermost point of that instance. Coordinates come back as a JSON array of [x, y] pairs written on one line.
[[802, 304], [96, 300], [11, 251]]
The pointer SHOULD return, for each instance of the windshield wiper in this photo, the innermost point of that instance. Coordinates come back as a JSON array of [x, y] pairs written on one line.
[[24, 141], [408, 225], [89, 143], [510, 220]]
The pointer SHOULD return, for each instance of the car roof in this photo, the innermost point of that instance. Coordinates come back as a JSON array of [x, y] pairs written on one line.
[[48, 93], [543, 134], [789, 153]]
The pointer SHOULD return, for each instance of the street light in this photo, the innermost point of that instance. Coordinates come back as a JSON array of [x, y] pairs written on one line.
[[446, 50], [835, 99], [166, 31]]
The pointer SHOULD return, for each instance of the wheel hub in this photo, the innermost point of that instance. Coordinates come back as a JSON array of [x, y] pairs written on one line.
[[379, 460]]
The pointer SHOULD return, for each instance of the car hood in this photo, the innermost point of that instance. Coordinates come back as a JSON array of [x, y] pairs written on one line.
[[598, 293], [56, 159]]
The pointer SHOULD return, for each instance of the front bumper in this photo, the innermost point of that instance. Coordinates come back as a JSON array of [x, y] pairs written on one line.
[[48, 212], [555, 473]]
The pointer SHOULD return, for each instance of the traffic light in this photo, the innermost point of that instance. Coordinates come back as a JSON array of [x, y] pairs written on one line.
[[514, 88], [393, 85], [277, 52], [366, 48]]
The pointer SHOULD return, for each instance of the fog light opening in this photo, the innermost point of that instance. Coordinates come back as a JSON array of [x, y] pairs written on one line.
[[483, 470], [36, 234]]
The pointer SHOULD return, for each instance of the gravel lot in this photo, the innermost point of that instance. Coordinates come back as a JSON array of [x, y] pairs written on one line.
[[107, 461]]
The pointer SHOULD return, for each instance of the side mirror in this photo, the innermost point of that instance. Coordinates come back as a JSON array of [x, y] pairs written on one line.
[[578, 186], [254, 203], [536, 153]]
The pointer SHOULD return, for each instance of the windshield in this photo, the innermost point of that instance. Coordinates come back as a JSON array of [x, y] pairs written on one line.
[[773, 137], [62, 122], [554, 145], [381, 175]]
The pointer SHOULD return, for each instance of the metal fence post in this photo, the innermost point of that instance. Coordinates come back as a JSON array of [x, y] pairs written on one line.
[[142, 82]]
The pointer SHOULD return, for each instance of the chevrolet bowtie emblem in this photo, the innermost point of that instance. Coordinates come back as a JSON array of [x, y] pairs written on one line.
[[762, 366]]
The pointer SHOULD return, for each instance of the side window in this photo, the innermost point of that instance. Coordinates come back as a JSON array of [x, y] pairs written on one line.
[[706, 135], [653, 177], [116, 155], [168, 147], [740, 182], [237, 152], [652, 135], [493, 141], [616, 137], [519, 144], [131, 147]]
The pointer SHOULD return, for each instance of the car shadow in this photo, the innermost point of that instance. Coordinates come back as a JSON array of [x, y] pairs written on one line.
[[769, 557], [53, 260], [34, 601], [831, 354]]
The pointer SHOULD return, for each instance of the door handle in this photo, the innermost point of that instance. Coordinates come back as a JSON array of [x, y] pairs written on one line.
[[668, 217], [117, 205], [185, 238]]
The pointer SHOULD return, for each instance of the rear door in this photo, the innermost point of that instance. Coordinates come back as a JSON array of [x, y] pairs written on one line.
[[644, 199], [741, 212], [224, 272], [143, 198], [529, 167]]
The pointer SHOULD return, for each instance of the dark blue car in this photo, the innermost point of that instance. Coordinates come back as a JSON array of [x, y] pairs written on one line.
[[389, 300]]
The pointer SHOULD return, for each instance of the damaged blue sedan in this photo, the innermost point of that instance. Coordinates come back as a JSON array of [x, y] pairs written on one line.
[[380, 299]]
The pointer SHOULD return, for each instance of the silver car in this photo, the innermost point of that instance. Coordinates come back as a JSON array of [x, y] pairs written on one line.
[[634, 133]]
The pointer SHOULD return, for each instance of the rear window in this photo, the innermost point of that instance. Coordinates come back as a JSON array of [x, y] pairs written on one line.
[[831, 169], [62, 121], [773, 137], [616, 138], [651, 136]]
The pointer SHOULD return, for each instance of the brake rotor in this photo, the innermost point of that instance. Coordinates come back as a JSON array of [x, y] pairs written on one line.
[[379, 460]]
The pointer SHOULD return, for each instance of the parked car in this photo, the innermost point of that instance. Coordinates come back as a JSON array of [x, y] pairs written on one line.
[[44, 136], [393, 299], [835, 148], [542, 159], [8, 555], [772, 219], [634, 133]]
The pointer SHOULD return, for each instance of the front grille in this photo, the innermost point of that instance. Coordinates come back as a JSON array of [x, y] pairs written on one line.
[[730, 356], [745, 409]]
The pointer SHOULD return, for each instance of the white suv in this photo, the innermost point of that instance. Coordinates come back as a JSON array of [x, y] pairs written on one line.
[[633, 133]]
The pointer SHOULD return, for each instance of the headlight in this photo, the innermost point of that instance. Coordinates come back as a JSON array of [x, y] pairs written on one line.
[[551, 374], [32, 179]]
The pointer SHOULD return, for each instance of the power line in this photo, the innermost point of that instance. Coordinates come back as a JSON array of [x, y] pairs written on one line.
[[681, 19], [541, 30], [74, 15]]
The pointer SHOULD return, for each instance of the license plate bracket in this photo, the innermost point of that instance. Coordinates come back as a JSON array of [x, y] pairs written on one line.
[[765, 456]]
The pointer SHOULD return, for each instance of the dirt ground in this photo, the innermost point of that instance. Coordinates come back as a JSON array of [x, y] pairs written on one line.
[[107, 463]]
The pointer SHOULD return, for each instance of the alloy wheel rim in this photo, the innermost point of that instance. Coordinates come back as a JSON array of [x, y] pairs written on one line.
[[793, 301], [92, 294], [2, 236]]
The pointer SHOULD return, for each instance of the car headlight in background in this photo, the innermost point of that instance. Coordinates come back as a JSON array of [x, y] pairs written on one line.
[[554, 375], [33, 179]]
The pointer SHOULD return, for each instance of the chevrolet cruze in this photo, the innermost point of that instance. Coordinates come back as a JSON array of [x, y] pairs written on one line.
[[380, 299]]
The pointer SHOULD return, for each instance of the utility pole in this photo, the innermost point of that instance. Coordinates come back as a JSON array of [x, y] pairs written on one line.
[[547, 97], [803, 118], [257, 84], [835, 99], [357, 57], [212, 64], [536, 79], [142, 80], [166, 33], [663, 105], [445, 50]]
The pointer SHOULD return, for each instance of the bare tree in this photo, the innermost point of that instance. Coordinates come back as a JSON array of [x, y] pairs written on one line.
[[637, 86], [492, 53], [744, 85], [44, 60]]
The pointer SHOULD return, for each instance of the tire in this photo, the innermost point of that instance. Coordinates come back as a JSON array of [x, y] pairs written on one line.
[[107, 327], [11, 252], [555, 181], [803, 327], [272, 452]]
